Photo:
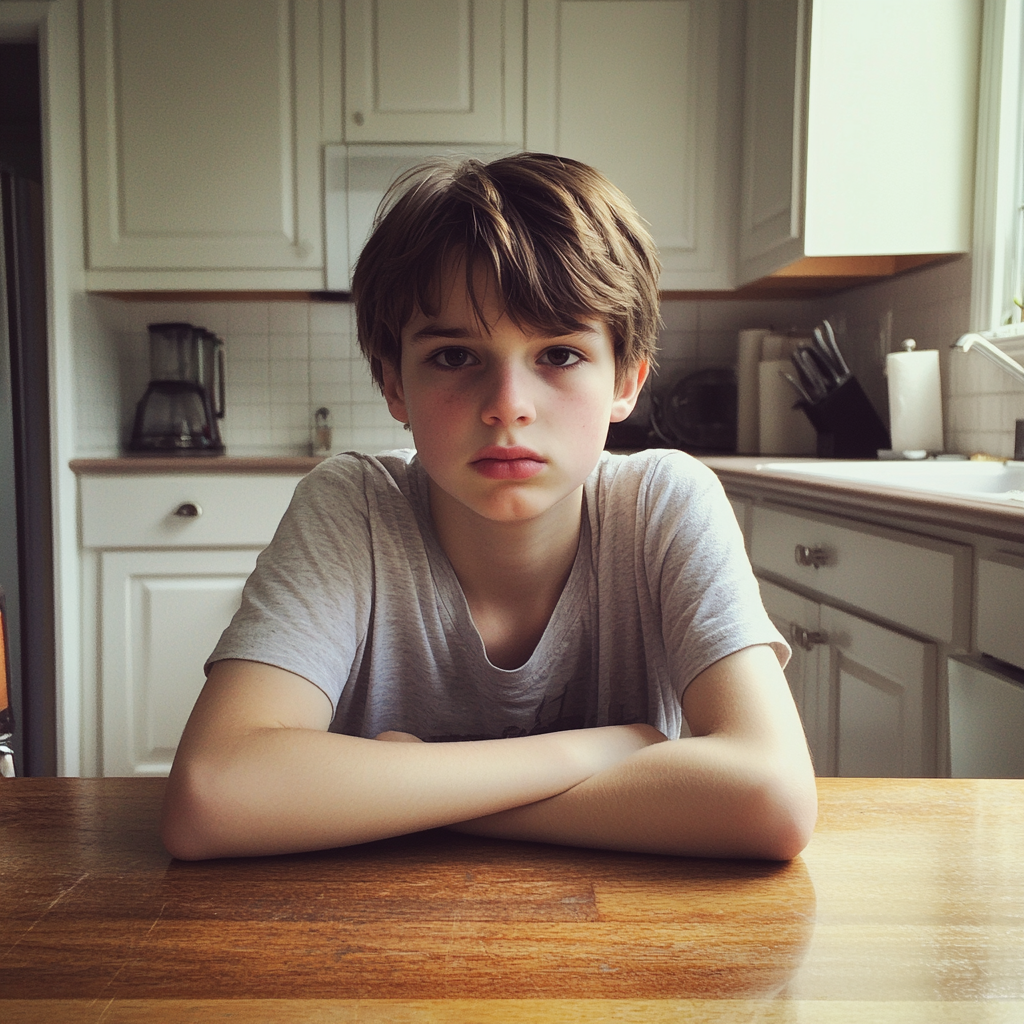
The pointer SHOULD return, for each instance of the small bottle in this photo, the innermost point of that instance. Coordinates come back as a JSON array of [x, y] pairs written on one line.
[[322, 432]]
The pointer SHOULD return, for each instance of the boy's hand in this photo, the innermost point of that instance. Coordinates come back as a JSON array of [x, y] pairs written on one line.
[[393, 736]]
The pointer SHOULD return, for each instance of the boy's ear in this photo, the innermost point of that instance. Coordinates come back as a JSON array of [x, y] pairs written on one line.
[[394, 393], [628, 390]]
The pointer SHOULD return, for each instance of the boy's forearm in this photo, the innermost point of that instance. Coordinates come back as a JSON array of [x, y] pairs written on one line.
[[278, 790], [706, 796]]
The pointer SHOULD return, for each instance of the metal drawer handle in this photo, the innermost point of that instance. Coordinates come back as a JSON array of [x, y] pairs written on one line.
[[812, 556], [806, 638], [188, 510]]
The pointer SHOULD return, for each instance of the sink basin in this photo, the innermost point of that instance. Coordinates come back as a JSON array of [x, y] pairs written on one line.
[[990, 480]]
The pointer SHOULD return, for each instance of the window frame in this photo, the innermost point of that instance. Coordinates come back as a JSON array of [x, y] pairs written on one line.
[[998, 237]]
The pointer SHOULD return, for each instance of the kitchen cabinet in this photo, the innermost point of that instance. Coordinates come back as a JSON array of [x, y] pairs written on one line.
[[999, 600], [162, 613], [868, 606], [647, 92], [858, 130], [434, 71], [986, 715], [167, 557], [903, 609], [910, 580], [866, 693], [203, 125]]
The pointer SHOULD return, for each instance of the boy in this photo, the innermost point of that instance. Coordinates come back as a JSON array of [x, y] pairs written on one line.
[[541, 613]]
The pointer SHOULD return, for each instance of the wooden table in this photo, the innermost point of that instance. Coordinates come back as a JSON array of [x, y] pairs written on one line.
[[907, 906]]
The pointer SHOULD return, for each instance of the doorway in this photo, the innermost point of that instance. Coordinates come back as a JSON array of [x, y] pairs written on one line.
[[26, 547]]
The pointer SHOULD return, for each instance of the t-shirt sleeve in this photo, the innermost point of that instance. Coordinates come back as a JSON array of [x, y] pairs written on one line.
[[699, 571], [306, 606]]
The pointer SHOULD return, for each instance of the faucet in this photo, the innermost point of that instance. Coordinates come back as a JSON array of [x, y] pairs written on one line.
[[996, 355]]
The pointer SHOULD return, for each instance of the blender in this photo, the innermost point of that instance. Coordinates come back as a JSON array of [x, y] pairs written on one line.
[[178, 413]]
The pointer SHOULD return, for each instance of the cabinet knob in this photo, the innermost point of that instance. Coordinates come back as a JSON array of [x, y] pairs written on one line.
[[188, 510], [358, 118], [806, 638], [811, 556]]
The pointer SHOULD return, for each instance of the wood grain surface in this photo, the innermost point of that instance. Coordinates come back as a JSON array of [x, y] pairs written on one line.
[[907, 905]]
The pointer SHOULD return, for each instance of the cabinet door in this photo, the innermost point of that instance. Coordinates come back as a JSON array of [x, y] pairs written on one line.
[[202, 125], [986, 721], [882, 686], [858, 130], [772, 199], [162, 614], [645, 91], [434, 71], [797, 619]]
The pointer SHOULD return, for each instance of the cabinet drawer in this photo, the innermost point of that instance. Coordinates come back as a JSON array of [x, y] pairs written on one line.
[[915, 582], [1001, 608], [140, 511]]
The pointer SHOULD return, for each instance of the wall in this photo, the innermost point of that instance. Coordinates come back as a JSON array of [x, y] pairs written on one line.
[[283, 361], [286, 359]]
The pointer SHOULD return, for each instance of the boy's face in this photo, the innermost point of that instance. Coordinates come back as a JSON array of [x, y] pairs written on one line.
[[507, 423]]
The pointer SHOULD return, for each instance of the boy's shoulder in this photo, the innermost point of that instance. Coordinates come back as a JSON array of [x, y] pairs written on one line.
[[652, 490], [353, 485], [650, 471], [358, 471]]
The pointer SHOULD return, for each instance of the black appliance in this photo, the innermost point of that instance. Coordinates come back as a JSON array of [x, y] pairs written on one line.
[[178, 413], [697, 414]]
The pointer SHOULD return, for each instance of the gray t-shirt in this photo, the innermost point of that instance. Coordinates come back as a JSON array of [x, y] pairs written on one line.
[[355, 594]]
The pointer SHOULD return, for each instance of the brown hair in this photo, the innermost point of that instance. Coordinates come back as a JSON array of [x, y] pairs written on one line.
[[559, 240]]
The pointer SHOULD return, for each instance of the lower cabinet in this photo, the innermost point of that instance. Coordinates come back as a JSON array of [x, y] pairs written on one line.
[[162, 614], [165, 556], [986, 719], [866, 693]]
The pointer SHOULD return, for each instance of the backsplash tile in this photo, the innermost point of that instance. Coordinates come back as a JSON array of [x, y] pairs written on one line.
[[284, 360]]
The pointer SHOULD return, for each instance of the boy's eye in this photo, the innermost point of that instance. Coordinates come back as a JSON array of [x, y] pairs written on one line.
[[560, 356], [452, 358]]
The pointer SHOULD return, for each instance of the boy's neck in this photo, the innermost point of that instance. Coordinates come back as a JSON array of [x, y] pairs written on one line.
[[512, 574]]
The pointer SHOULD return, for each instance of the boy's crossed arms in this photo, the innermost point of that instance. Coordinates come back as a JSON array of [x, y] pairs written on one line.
[[258, 773]]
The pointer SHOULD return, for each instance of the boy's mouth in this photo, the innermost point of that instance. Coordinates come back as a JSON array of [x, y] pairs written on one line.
[[515, 463]]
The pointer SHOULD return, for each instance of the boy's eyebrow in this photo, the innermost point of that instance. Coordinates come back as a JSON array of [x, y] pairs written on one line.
[[437, 331]]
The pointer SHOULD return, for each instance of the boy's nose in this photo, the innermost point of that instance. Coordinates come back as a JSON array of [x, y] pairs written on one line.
[[508, 398]]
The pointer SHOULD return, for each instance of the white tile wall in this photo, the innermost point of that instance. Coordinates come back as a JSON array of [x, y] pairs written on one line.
[[284, 360]]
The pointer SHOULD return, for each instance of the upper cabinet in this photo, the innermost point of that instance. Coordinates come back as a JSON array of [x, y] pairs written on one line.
[[858, 129], [202, 143], [749, 135], [434, 71], [647, 92]]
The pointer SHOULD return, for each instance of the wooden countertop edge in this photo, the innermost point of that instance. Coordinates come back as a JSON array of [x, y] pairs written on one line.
[[135, 466], [740, 474]]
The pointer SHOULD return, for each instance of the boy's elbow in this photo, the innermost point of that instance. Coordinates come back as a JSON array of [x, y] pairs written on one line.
[[786, 813], [192, 817]]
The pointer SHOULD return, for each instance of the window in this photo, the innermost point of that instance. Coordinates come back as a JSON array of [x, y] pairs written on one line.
[[998, 254]]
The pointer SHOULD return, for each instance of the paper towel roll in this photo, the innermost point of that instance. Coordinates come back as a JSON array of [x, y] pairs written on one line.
[[783, 429], [915, 400], [747, 385]]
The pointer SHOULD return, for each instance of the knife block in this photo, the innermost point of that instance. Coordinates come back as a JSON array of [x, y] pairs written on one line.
[[846, 422]]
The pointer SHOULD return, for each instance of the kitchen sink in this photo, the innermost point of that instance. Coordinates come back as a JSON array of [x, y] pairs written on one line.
[[989, 480]]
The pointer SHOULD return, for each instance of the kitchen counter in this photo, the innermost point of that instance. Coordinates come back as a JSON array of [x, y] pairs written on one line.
[[907, 905], [132, 465], [740, 474]]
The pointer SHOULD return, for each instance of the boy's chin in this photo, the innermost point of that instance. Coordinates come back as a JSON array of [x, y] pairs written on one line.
[[509, 505]]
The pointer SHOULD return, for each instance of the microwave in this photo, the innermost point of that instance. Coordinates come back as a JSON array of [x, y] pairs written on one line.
[[355, 180]]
